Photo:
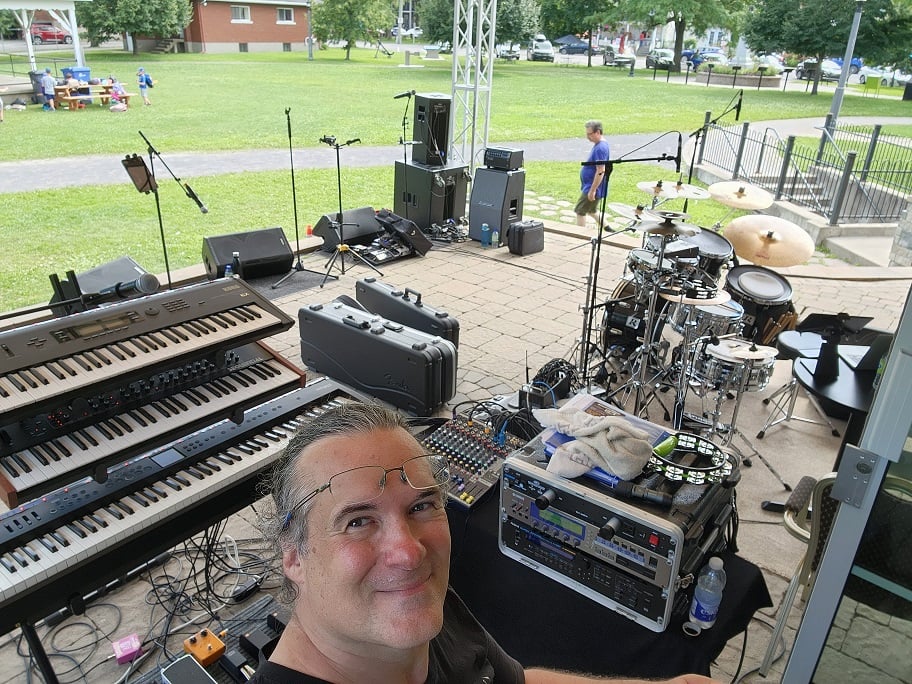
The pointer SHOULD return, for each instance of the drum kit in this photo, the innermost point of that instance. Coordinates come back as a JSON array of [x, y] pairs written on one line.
[[684, 283]]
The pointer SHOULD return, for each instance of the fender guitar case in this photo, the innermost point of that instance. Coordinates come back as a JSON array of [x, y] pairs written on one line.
[[405, 367], [405, 306]]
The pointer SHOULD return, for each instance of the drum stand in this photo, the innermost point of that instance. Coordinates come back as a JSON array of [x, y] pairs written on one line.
[[728, 431]]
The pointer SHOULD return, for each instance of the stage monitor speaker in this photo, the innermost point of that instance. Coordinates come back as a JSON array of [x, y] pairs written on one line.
[[427, 195], [431, 129], [360, 227], [122, 270], [497, 199], [261, 252], [405, 230]]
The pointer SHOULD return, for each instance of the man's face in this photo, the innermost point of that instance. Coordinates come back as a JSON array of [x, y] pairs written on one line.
[[374, 575], [593, 136]]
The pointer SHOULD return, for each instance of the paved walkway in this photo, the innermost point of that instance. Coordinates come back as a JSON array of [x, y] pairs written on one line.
[[42, 174]]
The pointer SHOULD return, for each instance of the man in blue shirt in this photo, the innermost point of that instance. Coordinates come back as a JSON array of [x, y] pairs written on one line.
[[594, 178]]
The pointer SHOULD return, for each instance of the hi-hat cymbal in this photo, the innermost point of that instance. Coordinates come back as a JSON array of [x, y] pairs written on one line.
[[658, 189], [628, 211], [769, 240], [755, 352], [691, 191], [666, 215], [740, 195], [667, 228]]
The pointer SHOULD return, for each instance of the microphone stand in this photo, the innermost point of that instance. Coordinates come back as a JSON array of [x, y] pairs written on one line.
[[298, 267], [405, 142], [144, 179], [592, 281], [341, 249], [701, 132]]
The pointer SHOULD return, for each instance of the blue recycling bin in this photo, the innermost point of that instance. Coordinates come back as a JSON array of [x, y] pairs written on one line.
[[77, 72]]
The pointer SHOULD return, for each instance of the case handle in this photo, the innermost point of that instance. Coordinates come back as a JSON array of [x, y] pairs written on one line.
[[414, 292]]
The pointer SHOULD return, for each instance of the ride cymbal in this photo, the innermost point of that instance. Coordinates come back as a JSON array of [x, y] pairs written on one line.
[[628, 211], [740, 195], [769, 240], [667, 228], [658, 189]]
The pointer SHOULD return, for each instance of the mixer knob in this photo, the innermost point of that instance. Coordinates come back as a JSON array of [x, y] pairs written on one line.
[[610, 528], [545, 499]]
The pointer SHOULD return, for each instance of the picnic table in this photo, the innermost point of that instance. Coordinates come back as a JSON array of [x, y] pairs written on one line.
[[76, 97]]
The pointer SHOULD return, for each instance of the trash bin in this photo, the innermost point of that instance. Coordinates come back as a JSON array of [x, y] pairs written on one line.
[[77, 72], [907, 92], [37, 92]]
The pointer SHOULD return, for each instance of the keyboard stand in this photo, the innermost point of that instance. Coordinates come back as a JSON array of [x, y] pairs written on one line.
[[38, 653]]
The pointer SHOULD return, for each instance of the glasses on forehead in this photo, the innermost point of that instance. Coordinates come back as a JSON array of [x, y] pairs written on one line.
[[366, 483]]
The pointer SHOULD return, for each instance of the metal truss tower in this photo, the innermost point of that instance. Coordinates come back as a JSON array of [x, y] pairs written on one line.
[[473, 68]]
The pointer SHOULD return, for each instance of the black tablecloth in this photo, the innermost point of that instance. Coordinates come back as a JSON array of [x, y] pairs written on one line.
[[543, 623]]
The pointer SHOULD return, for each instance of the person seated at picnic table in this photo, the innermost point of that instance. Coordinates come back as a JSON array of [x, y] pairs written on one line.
[[118, 93]]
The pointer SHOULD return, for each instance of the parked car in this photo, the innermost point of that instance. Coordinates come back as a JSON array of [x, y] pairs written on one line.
[[772, 63], [508, 51], [854, 66], [829, 70], [540, 50], [660, 58], [623, 60], [578, 48], [707, 54], [894, 77], [868, 72], [414, 32], [48, 33]]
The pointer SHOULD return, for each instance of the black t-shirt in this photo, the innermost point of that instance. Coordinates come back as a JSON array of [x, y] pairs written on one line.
[[463, 653]]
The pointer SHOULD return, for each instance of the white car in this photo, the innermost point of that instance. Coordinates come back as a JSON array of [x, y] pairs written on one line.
[[894, 77], [873, 73]]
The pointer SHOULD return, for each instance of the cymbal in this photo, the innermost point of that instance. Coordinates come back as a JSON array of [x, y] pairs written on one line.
[[667, 228], [658, 189], [691, 191], [754, 352], [769, 240], [666, 215], [628, 211], [740, 195], [720, 297]]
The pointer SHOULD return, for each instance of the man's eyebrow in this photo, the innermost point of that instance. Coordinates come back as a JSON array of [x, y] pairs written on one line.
[[350, 509]]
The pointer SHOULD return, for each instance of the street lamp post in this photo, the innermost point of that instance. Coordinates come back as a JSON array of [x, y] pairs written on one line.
[[846, 67]]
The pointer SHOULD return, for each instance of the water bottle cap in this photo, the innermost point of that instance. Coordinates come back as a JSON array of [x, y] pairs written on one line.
[[715, 563]]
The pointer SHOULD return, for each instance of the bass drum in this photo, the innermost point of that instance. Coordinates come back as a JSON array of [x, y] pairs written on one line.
[[766, 296], [624, 321]]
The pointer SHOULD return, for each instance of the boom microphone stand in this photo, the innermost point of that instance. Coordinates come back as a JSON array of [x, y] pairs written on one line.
[[341, 249], [298, 267]]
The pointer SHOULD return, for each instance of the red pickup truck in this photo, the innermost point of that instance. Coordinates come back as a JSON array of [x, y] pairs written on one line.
[[48, 33]]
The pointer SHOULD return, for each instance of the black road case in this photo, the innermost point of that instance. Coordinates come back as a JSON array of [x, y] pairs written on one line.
[[405, 306]]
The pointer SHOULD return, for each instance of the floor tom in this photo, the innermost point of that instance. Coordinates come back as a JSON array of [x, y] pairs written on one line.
[[720, 365]]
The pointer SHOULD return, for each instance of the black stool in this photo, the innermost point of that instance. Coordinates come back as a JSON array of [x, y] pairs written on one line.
[[794, 345]]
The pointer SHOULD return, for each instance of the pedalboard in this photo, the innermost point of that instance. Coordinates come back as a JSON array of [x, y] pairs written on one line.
[[475, 454]]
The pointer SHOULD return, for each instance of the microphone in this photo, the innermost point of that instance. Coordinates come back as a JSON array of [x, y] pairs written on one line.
[[192, 195], [407, 93], [145, 284], [678, 158], [328, 139], [738, 106], [352, 141]]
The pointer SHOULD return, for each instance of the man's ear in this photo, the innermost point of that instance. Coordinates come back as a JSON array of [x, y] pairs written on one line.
[[292, 564]]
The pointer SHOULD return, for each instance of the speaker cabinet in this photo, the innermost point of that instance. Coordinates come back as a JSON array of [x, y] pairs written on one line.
[[359, 227], [497, 199], [431, 129], [261, 252], [427, 195]]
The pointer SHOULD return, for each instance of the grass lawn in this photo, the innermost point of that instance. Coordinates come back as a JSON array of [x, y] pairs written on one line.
[[223, 102]]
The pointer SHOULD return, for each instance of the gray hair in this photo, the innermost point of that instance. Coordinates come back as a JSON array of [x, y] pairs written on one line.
[[594, 125], [285, 486]]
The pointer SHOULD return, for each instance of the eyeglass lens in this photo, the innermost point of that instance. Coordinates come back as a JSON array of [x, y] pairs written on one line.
[[367, 482]]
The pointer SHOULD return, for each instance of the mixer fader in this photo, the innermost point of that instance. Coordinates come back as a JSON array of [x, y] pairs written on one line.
[[476, 453]]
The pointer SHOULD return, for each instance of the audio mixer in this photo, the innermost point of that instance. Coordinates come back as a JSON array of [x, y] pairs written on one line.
[[476, 454]]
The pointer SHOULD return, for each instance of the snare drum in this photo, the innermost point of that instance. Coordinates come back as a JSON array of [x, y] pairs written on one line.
[[715, 319], [720, 367], [624, 321], [765, 296]]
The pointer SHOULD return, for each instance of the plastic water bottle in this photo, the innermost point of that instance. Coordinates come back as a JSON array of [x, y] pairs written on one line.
[[229, 271], [236, 264], [704, 609], [495, 238], [485, 235]]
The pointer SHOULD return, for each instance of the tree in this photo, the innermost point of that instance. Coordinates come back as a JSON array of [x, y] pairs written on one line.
[[351, 20], [106, 19], [820, 28], [517, 20]]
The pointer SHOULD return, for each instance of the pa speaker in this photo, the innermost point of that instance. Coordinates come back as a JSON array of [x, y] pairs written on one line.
[[359, 227], [261, 253], [431, 128], [101, 278], [428, 195], [497, 199]]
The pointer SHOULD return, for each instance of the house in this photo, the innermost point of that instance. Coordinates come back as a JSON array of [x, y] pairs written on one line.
[[232, 26]]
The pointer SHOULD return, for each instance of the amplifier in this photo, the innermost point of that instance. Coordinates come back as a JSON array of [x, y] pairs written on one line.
[[503, 158], [630, 555]]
